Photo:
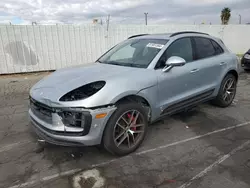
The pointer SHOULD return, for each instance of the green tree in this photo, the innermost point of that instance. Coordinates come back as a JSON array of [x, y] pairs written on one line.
[[225, 15]]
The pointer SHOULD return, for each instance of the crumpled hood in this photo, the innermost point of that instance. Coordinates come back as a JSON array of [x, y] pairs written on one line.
[[72, 77], [64, 80]]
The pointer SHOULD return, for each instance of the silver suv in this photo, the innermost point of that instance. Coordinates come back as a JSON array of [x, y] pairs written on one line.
[[137, 82]]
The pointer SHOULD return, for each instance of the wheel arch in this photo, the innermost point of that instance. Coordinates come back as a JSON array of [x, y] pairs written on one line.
[[233, 72], [218, 100], [135, 97]]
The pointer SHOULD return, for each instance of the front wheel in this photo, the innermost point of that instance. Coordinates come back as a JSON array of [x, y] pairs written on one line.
[[125, 129], [227, 91]]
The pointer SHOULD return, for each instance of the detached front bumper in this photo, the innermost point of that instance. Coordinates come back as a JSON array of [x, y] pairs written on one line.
[[53, 129]]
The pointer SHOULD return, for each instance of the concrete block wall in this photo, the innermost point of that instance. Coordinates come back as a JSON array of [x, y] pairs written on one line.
[[46, 47]]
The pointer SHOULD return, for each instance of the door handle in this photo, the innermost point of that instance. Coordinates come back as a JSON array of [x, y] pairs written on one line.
[[222, 63], [194, 70]]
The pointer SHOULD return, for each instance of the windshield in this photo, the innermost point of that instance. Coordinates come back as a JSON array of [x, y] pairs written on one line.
[[134, 52]]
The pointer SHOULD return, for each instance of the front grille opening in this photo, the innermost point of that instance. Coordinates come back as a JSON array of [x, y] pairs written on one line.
[[42, 111], [69, 118], [40, 106]]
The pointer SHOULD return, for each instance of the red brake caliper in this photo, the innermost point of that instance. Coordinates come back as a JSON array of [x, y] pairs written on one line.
[[133, 118]]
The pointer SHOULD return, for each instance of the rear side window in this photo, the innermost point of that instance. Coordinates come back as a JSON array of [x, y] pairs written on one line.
[[204, 48], [218, 49]]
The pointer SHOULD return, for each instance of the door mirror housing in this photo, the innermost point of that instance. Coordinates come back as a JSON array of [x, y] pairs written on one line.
[[173, 61]]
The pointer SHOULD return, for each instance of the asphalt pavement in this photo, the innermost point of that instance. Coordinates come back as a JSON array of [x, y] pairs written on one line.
[[205, 147]]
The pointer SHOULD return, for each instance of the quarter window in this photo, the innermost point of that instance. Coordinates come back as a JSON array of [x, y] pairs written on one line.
[[204, 48], [218, 49]]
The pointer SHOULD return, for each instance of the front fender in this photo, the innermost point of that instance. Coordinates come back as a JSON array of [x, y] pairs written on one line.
[[122, 95], [151, 95]]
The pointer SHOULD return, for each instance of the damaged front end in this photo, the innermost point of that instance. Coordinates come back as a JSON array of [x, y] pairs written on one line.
[[79, 125]]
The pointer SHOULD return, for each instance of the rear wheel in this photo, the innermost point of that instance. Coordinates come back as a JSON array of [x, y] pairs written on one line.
[[227, 91], [125, 129]]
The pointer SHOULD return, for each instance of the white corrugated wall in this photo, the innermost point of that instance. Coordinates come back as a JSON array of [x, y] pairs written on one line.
[[45, 47]]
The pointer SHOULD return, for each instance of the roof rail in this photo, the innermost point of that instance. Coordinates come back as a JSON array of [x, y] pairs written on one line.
[[186, 32], [133, 36]]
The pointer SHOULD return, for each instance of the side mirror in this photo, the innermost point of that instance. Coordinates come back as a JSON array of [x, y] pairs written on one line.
[[173, 61]]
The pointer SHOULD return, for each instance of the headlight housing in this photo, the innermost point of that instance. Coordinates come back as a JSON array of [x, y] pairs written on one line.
[[73, 119], [83, 91]]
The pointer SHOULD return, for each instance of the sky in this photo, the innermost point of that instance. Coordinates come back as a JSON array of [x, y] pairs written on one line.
[[121, 11]]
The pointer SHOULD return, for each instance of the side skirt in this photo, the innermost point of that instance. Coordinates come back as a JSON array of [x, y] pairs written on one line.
[[186, 104]]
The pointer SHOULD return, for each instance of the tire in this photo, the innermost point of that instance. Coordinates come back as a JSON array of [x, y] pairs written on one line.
[[112, 129], [220, 98]]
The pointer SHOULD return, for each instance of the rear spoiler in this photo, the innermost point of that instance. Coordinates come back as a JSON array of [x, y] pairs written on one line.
[[133, 36]]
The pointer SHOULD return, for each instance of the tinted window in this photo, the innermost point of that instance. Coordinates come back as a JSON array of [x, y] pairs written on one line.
[[204, 48], [181, 47], [218, 49]]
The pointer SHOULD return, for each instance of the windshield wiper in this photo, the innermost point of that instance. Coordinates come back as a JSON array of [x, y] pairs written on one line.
[[136, 65], [123, 64], [113, 63], [99, 61]]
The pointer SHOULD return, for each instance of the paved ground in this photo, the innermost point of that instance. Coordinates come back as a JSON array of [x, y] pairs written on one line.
[[202, 148]]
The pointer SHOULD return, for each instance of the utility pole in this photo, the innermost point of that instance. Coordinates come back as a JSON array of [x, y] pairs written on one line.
[[146, 18], [107, 22], [240, 19]]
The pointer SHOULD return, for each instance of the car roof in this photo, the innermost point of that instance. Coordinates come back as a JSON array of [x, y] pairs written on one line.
[[168, 35], [176, 35]]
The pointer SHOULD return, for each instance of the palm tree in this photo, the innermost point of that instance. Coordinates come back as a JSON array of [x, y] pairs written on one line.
[[225, 15]]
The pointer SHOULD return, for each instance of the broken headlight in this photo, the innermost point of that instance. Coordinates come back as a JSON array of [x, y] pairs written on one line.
[[72, 119], [83, 91], [75, 117]]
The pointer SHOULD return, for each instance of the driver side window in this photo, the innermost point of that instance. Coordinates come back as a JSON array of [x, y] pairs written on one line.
[[181, 47]]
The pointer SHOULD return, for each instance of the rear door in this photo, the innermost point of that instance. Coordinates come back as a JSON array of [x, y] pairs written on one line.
[[208, 63]]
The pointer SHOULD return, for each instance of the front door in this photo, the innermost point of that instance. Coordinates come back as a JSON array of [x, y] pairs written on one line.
[[177, 84]]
